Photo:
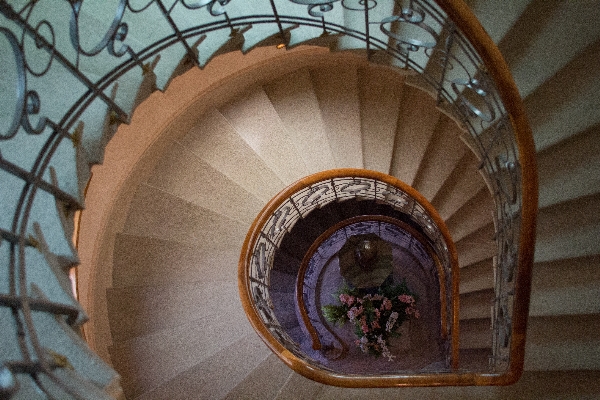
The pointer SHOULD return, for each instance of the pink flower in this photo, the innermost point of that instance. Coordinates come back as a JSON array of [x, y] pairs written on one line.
[[405, 298], [386, 304], [377, 313], [365, 328], [375, 325], [413, 311], [346, 299]]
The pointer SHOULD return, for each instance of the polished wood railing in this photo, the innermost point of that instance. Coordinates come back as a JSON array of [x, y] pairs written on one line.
[[316, 343], [297, 201]]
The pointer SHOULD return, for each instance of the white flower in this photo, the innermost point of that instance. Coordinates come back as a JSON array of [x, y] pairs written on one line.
[[389, 325]]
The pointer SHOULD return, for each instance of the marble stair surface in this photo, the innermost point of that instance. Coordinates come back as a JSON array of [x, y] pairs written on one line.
[[175, 262]]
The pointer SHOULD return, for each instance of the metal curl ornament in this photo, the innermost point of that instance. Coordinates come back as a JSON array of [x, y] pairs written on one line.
[[20, 84], [214, 7], [476, 87], [412, 17], [32, 107], [322, 5], [137, 10], [362, 5], [39, 43], [120, 36], [109, 36]]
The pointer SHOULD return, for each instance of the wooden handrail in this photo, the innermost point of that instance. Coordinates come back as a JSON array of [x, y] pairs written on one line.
[[498, 70], [316, 344], [300, 365]]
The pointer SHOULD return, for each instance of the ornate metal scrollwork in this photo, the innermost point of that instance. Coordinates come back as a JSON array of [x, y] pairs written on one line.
[[414, 17], [314, 195], [20, 85], [355, 187], [214, 7], [278, 222], [475, 91], [316, 8], [259, 260], [359, 5]]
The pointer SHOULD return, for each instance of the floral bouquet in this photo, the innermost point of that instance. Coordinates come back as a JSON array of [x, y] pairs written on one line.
[[376, 317]]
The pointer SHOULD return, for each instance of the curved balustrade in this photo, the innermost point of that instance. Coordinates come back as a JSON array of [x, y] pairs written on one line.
[[393, 231], [75, 70], [279, 219]]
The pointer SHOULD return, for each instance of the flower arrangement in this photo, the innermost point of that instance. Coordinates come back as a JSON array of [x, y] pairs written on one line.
[[376, 317]]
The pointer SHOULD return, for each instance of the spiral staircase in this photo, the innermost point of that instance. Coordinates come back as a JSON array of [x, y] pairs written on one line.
[[168, 211]]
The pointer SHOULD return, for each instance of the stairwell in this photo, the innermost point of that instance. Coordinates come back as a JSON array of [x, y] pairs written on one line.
[[160, 244]]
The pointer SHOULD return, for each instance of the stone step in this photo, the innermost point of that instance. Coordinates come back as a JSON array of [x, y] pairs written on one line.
[[563, 343], [148, 362], [184, 175], [380, 93], [255, 119], [141, 261], [476, 247], [265, 381], [476, 334], [296, 104], [462, 183], [339, 104], [472, 216], [443, 154], [549, 29], [216, 375], [577, 219], [416, 124], [476, 305], [564, 105], [157, 214], [141, 310], [579, 172], [212, 136]]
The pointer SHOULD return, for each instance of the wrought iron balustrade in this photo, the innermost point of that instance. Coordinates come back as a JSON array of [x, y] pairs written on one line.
[[74, 70], [296, 203]]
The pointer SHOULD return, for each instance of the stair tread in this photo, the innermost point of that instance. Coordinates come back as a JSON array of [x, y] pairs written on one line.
[[477, 246], [462, 183], [337, 92], [264, 381], [157, 214], [296, 103], [579, 172], [146, 362], [565, 342], [215, 376], [565, 104], [566, 287], [549, 29], [416, 124], [184, 175], [212, 137], [380, 92], [140, 310], [444, 152], [472, 216], [257, 122], [476, 305], [577, 219], [142, 261]]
